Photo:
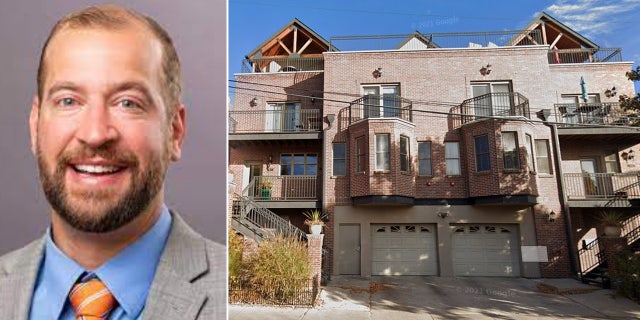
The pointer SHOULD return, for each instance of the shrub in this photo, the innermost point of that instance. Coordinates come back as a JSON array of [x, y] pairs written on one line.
[[627, 276], [236, 266], [281, 267]]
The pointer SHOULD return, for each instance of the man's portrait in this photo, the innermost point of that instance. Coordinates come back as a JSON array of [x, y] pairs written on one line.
[[110, 116]]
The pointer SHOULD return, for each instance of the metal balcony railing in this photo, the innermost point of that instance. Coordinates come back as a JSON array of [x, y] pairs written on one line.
[[276, 121], [437, 40], [283, 188], [282, 64], [499, 104], [596, 113], [378, 106], [585, 55], [602, 185]]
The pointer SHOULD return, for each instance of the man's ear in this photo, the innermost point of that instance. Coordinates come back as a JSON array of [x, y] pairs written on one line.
[[178, 131], [33, 122]]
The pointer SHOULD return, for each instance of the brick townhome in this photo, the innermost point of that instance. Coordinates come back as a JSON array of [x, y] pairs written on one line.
[[480, 154]]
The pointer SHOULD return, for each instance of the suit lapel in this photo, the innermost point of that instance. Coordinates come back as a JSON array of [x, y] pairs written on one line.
[[17, 280], [173, 294]]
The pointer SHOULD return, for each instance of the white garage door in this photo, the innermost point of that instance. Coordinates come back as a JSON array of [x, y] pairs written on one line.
[[404, 249], [485, 250]]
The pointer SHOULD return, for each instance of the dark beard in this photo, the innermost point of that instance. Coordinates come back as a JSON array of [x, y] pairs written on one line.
[[144, 187]]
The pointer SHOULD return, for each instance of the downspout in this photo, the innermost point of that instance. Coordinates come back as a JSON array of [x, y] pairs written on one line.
[[573, 259]]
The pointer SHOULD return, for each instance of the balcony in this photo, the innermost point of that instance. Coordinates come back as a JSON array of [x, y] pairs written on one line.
[[377, 107], [601, 189], [290, 191], [609, 113], [259, 125], [585, 55], [491, 105], [282, 65]]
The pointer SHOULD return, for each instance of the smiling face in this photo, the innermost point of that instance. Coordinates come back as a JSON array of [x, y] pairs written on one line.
[[101, 132]]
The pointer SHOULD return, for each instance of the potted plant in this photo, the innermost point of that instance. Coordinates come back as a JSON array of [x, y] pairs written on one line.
[[315, 220], [265, 189], [612, 221]]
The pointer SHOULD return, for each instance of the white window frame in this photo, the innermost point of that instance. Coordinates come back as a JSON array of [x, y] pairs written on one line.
[[543, 158], [405, 155], [422, 168], [452, 158], [384, 152], [336, 159], [512, 154], [379, 110]]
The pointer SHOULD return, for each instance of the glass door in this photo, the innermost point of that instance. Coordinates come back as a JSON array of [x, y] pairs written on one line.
[[588, 167]]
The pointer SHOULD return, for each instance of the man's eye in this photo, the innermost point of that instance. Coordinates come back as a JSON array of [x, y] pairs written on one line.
[[128, 103], [67, 102]]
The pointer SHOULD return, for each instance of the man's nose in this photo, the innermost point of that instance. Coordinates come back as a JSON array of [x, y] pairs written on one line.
[[96, 126]]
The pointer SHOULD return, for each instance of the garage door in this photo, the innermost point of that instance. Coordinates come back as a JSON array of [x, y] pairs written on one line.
[[485, 250], [404, 249]]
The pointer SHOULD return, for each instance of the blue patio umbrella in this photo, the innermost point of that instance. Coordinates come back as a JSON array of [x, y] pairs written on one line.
[[583, 86]]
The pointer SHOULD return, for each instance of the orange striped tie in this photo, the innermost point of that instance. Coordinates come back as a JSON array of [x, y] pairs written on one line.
[[91, 300]]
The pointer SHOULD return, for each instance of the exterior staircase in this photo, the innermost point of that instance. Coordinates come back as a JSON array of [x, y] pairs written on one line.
[[593, 267], [258, 223]]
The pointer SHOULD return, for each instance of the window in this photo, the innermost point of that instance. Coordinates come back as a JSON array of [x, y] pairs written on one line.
[[611, 162], [492, 99], [590, 111], [404, 154], [424, 158], [529, 147], [542, 156], [298, 164], [483, 162], [361, 154], [381, 100], [382, 152], [283, 117], [452, 158], [339, 159], [510, 151]]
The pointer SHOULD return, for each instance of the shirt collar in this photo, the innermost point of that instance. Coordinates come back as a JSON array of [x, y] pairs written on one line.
[[128, 275]]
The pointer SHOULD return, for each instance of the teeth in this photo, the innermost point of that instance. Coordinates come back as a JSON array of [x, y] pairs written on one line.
[[96, 169]]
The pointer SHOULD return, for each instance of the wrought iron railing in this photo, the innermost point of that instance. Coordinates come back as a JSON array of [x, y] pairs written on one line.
[[594, 113], [275, 121], [378, 106], [265, 219], [631, 229], [499, 104], [585, 55], [602, 185], [283, 188], [296, 292], [591, 256], [437, 40], [282, 64]]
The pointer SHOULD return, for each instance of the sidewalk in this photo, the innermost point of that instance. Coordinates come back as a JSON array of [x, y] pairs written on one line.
[[414, 297]]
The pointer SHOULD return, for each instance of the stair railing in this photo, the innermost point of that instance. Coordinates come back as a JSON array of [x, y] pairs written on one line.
[[590, 256], [631, 229], [264, 218]]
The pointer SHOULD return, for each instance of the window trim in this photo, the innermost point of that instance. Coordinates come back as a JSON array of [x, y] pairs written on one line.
[[528, 145], [430, 159], [486, 153], [344, 160], [407, 155], [304, 164], [547, 157], [459, 165], [517, 165], [361, 153], [388, 152]]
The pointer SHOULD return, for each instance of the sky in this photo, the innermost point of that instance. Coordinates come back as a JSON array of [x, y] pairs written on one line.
[[607, 23]]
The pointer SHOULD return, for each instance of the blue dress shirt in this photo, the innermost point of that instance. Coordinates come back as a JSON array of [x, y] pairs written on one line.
[[128, 276]]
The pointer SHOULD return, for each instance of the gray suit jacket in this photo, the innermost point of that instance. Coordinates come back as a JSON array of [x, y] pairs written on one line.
[[190, 282]]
